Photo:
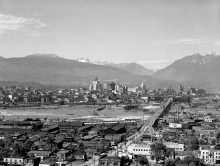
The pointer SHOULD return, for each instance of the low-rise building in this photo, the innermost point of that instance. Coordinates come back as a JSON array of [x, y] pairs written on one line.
[[210, 119], [139, 149], [14, 160], [79, 155], [110, 160], [40, 153], [70, 126], [63, 154], [174, 145], [48, 163], [209, 154], [32, 161]]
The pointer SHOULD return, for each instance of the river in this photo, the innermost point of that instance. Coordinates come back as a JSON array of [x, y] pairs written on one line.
[[66, 112]]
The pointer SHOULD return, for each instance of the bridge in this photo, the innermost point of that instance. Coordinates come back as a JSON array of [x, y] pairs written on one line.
[[161, 112]]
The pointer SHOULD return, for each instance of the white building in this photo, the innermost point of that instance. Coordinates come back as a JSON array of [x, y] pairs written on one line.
[[176, 146], [209, 119], [144, 149], [175, 125], [139, 149], [209, 154], [14, 160]]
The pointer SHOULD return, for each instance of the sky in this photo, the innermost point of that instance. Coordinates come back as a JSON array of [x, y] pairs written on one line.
[[153, 33]]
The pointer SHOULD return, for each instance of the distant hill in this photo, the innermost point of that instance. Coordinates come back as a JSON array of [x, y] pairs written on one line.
[[51, 69], [133, 68], [194, 70], [35, 85]]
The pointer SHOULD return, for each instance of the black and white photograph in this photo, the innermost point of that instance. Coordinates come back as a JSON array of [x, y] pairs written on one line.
[[109, 82]]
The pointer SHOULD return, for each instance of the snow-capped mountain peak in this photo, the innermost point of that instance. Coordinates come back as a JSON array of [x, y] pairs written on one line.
[[130, 67], [155, 69]]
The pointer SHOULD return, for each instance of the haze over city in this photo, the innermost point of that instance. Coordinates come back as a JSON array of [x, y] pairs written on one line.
[[151, 33]]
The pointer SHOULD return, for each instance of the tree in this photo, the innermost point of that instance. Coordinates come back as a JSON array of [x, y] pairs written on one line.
[[142, 160], [81, 147], [170, 153], [202, 142], [165, 136], [173, 162], [217, 147], [213, 141], [189, 159], [169, 162], [177, 161], [193, 143], [217, 136], [158, 150]]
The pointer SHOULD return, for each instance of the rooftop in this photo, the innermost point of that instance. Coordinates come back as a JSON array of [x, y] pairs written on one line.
[[113, 158], [39, 151], [63, 152], [141, 145]]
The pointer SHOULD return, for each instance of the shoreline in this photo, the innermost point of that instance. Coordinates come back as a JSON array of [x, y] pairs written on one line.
[[67, 112]]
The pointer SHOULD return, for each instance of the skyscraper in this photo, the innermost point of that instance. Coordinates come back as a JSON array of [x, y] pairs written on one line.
[[96, 85]]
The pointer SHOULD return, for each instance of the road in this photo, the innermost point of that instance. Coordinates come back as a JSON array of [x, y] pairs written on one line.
[[149, 123]]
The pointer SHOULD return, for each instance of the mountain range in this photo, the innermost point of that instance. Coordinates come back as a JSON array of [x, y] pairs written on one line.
[[132, 67], [49, 69], [194, 70], [52, 69]]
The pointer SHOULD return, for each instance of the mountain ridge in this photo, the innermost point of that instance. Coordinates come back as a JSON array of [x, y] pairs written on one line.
[[194, 70], [131, 67], [51, 69]]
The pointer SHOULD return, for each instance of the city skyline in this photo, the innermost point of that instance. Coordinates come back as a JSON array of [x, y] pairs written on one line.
[[151, 33]]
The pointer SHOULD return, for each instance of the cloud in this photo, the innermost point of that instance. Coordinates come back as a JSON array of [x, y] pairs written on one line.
[[181, 41], [14, 23], [194, 41]]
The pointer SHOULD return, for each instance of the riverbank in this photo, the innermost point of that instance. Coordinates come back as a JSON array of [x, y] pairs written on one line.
[[65, 112]]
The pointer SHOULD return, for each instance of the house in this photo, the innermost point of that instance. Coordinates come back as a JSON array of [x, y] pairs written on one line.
[[176, 146], [110, 160], [48, 163], [63, 154], [32, 161], [40, 153], [79, 155], [14, 160], [58, 143]]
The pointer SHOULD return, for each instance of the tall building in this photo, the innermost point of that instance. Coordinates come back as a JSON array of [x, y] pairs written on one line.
[[143, 86], [181, 88], [112, 86], [96, 85]]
